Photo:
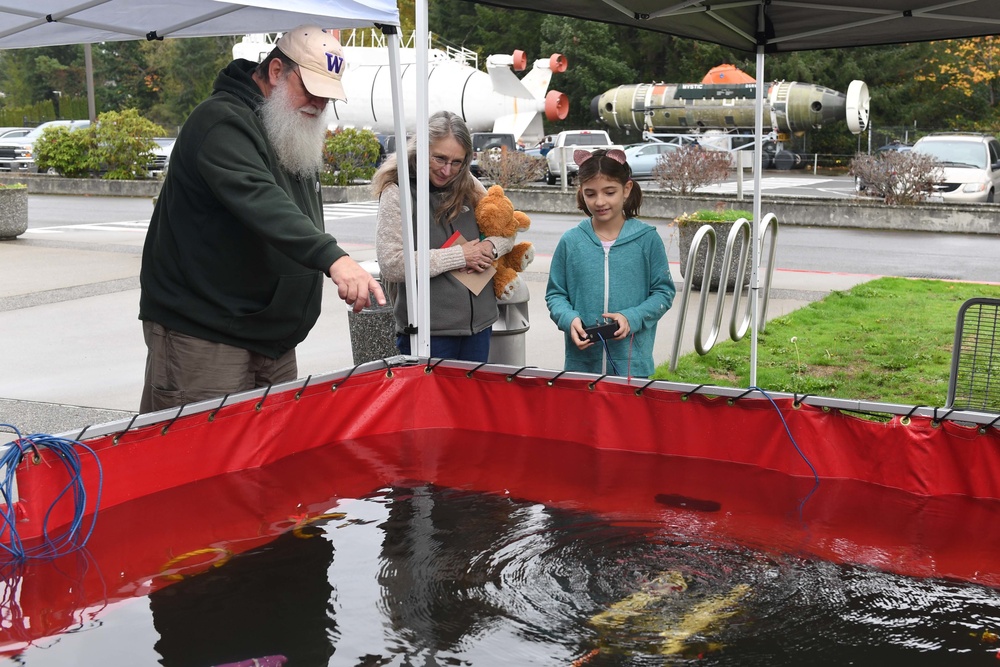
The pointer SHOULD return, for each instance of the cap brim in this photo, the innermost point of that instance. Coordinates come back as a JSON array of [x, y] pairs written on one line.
[[321, 85]]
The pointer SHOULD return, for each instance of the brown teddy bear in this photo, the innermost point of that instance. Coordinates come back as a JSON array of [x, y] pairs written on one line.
[[496, 216]]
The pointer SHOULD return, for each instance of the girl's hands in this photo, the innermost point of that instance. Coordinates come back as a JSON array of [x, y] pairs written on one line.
[[623, 327], [578, 335], [582, 341]]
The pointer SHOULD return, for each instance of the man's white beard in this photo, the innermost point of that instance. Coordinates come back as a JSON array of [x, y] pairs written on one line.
[[297, 137]]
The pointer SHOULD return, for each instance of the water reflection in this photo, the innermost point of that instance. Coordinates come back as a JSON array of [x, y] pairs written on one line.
[[433, 576], [273, 601]]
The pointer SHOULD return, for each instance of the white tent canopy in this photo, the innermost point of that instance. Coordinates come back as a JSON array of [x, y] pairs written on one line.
[[786, 25], [53, 22]]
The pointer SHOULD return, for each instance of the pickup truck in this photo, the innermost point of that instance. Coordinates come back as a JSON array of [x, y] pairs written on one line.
[[563, 146]]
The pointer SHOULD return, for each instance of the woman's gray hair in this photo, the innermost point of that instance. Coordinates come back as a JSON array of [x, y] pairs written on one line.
[[463, 190]]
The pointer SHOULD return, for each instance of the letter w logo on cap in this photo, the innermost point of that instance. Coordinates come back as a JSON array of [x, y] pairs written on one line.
[[334, 63]]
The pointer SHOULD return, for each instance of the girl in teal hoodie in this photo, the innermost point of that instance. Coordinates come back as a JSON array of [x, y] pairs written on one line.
[[612, 265]]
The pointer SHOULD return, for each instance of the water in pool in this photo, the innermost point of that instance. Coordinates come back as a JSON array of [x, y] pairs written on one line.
[[435, 551]]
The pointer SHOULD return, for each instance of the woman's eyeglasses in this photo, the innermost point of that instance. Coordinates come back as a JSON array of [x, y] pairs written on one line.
[[440, 161]]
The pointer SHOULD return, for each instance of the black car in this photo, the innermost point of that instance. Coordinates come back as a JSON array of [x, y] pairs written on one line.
[[485, 144]]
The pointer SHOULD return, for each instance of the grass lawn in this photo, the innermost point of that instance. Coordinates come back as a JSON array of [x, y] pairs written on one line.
[[886, 340]]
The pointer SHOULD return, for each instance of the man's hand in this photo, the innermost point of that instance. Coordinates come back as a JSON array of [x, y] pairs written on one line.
[[354, 284]]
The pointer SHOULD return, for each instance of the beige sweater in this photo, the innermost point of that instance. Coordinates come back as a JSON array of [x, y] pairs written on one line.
[[389, 243]]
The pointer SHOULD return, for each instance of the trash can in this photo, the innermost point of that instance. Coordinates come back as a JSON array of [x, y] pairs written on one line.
[[373, 329], [511, 328]]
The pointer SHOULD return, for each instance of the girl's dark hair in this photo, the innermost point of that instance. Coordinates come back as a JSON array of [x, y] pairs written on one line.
[[599, 164]]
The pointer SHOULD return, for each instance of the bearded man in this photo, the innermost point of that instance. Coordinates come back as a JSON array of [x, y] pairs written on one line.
[[233, 262]]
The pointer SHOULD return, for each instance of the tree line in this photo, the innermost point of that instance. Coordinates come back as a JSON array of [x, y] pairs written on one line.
[[914, 88]]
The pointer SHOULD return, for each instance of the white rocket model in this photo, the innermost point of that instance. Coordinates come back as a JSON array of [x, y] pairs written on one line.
[[492, 101]]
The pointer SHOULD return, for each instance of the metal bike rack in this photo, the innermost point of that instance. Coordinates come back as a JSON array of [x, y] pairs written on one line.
[[738, 326]]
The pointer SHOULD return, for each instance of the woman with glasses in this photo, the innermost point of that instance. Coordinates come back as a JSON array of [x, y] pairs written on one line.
[[460, 318]]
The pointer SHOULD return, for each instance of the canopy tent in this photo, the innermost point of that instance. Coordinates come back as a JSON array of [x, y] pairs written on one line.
[[54, 22], [787, 25], [769, 26]]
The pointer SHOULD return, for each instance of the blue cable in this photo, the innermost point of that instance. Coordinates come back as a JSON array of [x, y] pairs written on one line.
[[607, 351], [73, 537], [796, 445]]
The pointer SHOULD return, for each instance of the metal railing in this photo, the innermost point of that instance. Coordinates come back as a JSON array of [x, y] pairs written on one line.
[[974, 381], [740, 232]]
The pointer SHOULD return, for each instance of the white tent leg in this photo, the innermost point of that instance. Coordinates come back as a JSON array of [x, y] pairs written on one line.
[[422, 294], [755, 223], [404, 176]]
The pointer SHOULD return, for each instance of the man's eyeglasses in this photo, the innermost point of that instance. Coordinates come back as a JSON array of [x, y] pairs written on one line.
[[440, 161]]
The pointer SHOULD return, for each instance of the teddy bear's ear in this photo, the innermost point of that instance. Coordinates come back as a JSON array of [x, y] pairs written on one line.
[[495, 191], [523, 221]]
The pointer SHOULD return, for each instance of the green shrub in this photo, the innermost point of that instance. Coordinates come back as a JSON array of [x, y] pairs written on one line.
[[120, 146], [350, 154], [64, 151], [123, 144]]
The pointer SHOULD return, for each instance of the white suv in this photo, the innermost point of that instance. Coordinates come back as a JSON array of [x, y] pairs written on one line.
[[970, 162]]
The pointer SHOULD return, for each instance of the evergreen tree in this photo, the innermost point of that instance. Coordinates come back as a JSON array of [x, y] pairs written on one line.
[[123, 78], [185, 73], [595, 59]]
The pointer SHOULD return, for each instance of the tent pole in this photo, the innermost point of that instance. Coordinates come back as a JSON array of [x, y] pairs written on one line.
[[403, 172], [423, 342], [755, 223], [88, 60]]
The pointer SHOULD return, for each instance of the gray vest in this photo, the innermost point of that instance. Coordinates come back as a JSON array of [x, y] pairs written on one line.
[[455, 311]]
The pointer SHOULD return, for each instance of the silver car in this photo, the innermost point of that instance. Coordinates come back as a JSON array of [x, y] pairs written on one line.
[[17, 154], [14, 132], [642, 158]]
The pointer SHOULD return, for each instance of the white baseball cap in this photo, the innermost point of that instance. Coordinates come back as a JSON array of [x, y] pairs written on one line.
[[320, 58]]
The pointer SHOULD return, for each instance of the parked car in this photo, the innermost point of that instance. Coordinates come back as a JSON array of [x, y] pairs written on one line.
[[565, 144], [161, 155], [487, 144], [17, 154], [970, 162], [898, 146], [14, 132], [387, 146], [642, 158]]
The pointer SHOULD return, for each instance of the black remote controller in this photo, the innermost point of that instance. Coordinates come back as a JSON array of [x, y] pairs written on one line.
[[605, 328]]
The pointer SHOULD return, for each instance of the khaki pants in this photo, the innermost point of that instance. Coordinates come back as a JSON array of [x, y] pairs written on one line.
[[182, 369]]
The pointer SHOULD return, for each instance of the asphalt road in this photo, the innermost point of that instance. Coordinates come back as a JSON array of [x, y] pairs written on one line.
[[969, 257]]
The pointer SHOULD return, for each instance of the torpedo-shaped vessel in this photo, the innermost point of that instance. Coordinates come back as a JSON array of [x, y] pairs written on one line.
[[790, 107]]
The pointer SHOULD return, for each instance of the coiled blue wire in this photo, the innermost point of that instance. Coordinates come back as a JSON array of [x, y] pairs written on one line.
[[71, 538]]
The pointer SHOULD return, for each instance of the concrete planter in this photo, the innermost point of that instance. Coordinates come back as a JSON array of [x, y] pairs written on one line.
[[13, 212], [686, 231]]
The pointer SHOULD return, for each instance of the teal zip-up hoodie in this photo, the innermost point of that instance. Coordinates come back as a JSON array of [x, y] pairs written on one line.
[[235, 251], [632, 278]]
